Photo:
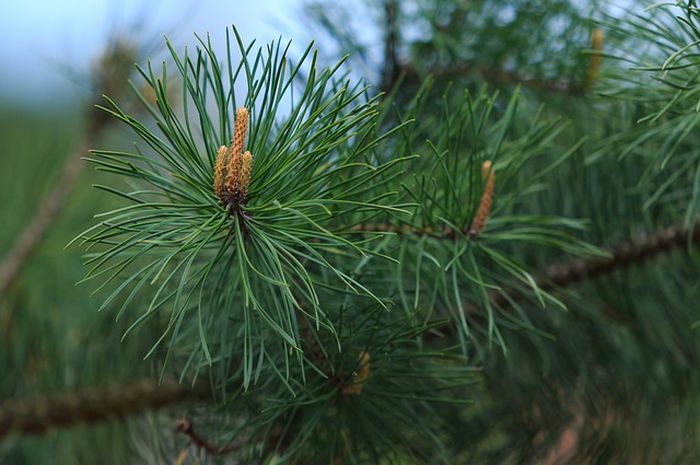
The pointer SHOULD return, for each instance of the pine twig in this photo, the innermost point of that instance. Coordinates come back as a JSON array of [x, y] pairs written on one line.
[[109, 77], [444, 233], [622, 255], [565, 274], [85, 406], [50, 206], [185, 427], [500, 76]]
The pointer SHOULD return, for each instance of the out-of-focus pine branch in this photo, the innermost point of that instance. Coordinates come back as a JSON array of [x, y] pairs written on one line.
[[497, 76], [87, 406], [109, 77], [622, 255], [47, 211]]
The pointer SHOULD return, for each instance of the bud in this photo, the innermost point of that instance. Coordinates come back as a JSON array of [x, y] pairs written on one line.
[[246, 168], [482, 212], [233, 171], [220, 170], [596, 62], [359, 377], [239, 131]]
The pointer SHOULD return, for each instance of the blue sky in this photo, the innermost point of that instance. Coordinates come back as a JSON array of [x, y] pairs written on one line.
[[39, 39]]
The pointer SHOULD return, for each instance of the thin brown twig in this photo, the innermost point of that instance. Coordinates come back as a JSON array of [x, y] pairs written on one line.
[[51, 205], [186, 427], [500, 76], [443, 233], [315, 354]]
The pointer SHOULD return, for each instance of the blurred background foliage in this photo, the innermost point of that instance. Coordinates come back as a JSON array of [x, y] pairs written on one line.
[[611, 380]]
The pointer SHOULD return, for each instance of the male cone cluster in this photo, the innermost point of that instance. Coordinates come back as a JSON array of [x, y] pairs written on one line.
[[233, 166]]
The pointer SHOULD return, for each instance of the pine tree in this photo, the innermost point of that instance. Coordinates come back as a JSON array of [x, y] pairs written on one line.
[[477, 248]]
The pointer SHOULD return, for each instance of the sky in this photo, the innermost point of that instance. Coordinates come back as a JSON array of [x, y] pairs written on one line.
[[43, 43]]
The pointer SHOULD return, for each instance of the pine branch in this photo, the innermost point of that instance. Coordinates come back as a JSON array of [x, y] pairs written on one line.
[[622, 255], [185, 427], [565, 274], [444, 233], [48, 210], [109, 78], [87, 406], [634, 251], [499, 76]]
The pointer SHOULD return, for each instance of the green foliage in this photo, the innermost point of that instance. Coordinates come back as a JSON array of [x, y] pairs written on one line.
[[659, 51], [355, 206], [439, 275], [46, 323], [393, 416], [309, 186], [293, 249]]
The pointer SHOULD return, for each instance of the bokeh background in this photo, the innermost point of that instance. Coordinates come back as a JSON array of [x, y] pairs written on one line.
[[47, 46]]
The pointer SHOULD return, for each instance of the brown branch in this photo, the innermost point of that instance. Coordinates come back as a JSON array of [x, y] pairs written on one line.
[[109, 77], [499, 76], [49, 207], [558, 275], [634, 251], [622, 255], [65, 409]]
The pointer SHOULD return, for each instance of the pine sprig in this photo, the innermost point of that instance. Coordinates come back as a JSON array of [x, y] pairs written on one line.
[[457, 246], [262, 262], [657, 60], [328, 415]]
